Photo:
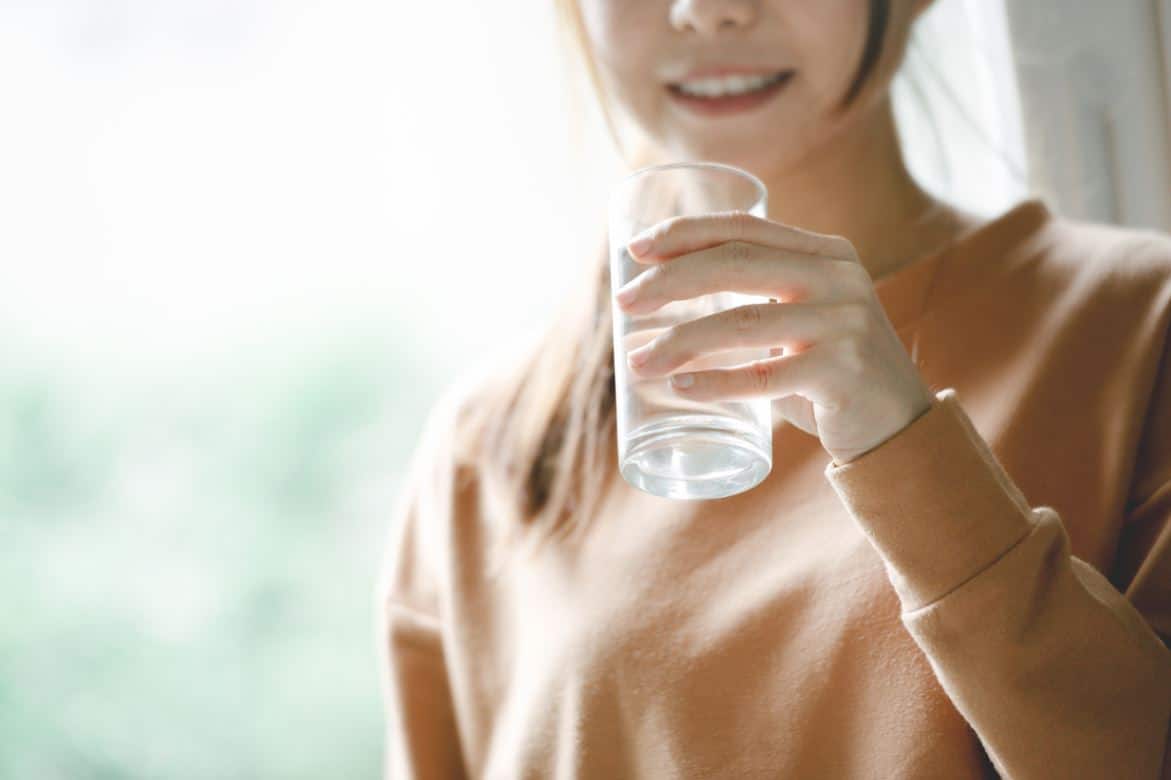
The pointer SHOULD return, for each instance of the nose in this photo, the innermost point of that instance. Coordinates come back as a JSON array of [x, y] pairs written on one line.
[[710, 16]]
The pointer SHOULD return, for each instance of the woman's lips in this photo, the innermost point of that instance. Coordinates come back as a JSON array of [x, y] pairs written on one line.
[[730, 104]]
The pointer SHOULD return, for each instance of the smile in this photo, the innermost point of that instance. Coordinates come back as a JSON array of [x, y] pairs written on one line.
[[728, 94]]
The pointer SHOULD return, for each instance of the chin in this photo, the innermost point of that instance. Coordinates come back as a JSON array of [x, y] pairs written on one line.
[[756, 158]]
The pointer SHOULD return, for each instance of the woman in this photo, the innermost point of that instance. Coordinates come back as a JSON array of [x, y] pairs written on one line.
[[976, 582]]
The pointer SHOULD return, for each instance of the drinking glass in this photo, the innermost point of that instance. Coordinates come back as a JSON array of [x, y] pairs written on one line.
[[669, 445]]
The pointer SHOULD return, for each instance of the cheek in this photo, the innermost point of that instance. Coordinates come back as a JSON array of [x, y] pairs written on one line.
[[614, 30], [829, 36], [625, 39]]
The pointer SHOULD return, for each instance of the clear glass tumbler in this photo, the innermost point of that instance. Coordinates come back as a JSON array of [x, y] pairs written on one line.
[[668, 445]]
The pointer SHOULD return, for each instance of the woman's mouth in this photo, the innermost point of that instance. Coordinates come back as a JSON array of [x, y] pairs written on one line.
[[728, 94]]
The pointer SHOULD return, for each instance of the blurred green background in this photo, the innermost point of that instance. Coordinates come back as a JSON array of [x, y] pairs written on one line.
[[243, 247], [189, 557]]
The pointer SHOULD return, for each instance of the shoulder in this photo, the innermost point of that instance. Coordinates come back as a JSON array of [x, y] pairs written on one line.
[[442, 445], [456, 427], [1061, 271], [1118, 259], [1052, 270], [1116, 299], [1111, 286], [439, 447], [438, 480], [456, 475]]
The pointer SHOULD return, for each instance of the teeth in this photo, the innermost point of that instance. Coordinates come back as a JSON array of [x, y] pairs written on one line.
[[726, 85]]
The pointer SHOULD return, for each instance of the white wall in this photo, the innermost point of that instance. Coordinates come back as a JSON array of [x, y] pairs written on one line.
[[958, 107], [1094, 84]]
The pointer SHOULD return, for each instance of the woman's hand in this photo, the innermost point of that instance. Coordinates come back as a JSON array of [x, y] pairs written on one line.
[[845, 376]]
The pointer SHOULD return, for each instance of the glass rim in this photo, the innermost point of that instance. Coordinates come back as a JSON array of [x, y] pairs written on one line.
[[761, 190]]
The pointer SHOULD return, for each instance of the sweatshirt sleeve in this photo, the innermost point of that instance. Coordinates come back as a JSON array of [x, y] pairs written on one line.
[[1056, 671], [421, 738]]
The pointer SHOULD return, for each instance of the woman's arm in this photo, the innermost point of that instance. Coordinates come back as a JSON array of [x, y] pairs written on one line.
[[421, 738], [1055, 670]]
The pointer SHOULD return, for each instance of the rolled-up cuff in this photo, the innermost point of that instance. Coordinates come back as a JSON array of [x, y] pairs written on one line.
[[934, 501]]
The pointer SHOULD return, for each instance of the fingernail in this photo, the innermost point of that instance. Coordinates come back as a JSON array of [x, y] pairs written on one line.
[[639, 246], [626, 295], [639, 356], [682, 380]]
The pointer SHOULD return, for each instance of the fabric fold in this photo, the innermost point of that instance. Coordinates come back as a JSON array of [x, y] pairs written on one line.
[[934, 501]]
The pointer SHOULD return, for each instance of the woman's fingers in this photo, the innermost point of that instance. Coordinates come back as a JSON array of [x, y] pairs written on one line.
[[757, 325], [801, 373], [745, 268], [681, 235]]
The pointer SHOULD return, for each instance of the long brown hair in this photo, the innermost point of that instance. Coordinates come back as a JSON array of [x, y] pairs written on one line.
[[542, 433]]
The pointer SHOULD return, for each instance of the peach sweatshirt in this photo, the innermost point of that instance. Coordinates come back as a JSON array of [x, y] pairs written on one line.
[[986, 593]]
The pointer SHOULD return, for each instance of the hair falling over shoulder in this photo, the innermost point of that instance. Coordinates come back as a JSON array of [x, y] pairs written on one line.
[[540, 435]]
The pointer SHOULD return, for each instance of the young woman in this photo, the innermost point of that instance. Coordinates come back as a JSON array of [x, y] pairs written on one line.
[[976, 580]]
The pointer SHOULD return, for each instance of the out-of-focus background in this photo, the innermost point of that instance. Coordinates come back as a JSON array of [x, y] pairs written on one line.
[[243, 246]]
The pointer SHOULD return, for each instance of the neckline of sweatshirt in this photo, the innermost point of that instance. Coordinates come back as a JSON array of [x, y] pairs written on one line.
[[911, 292]]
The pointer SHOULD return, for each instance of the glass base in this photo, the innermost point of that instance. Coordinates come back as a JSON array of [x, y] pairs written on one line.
[[692, 456]]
